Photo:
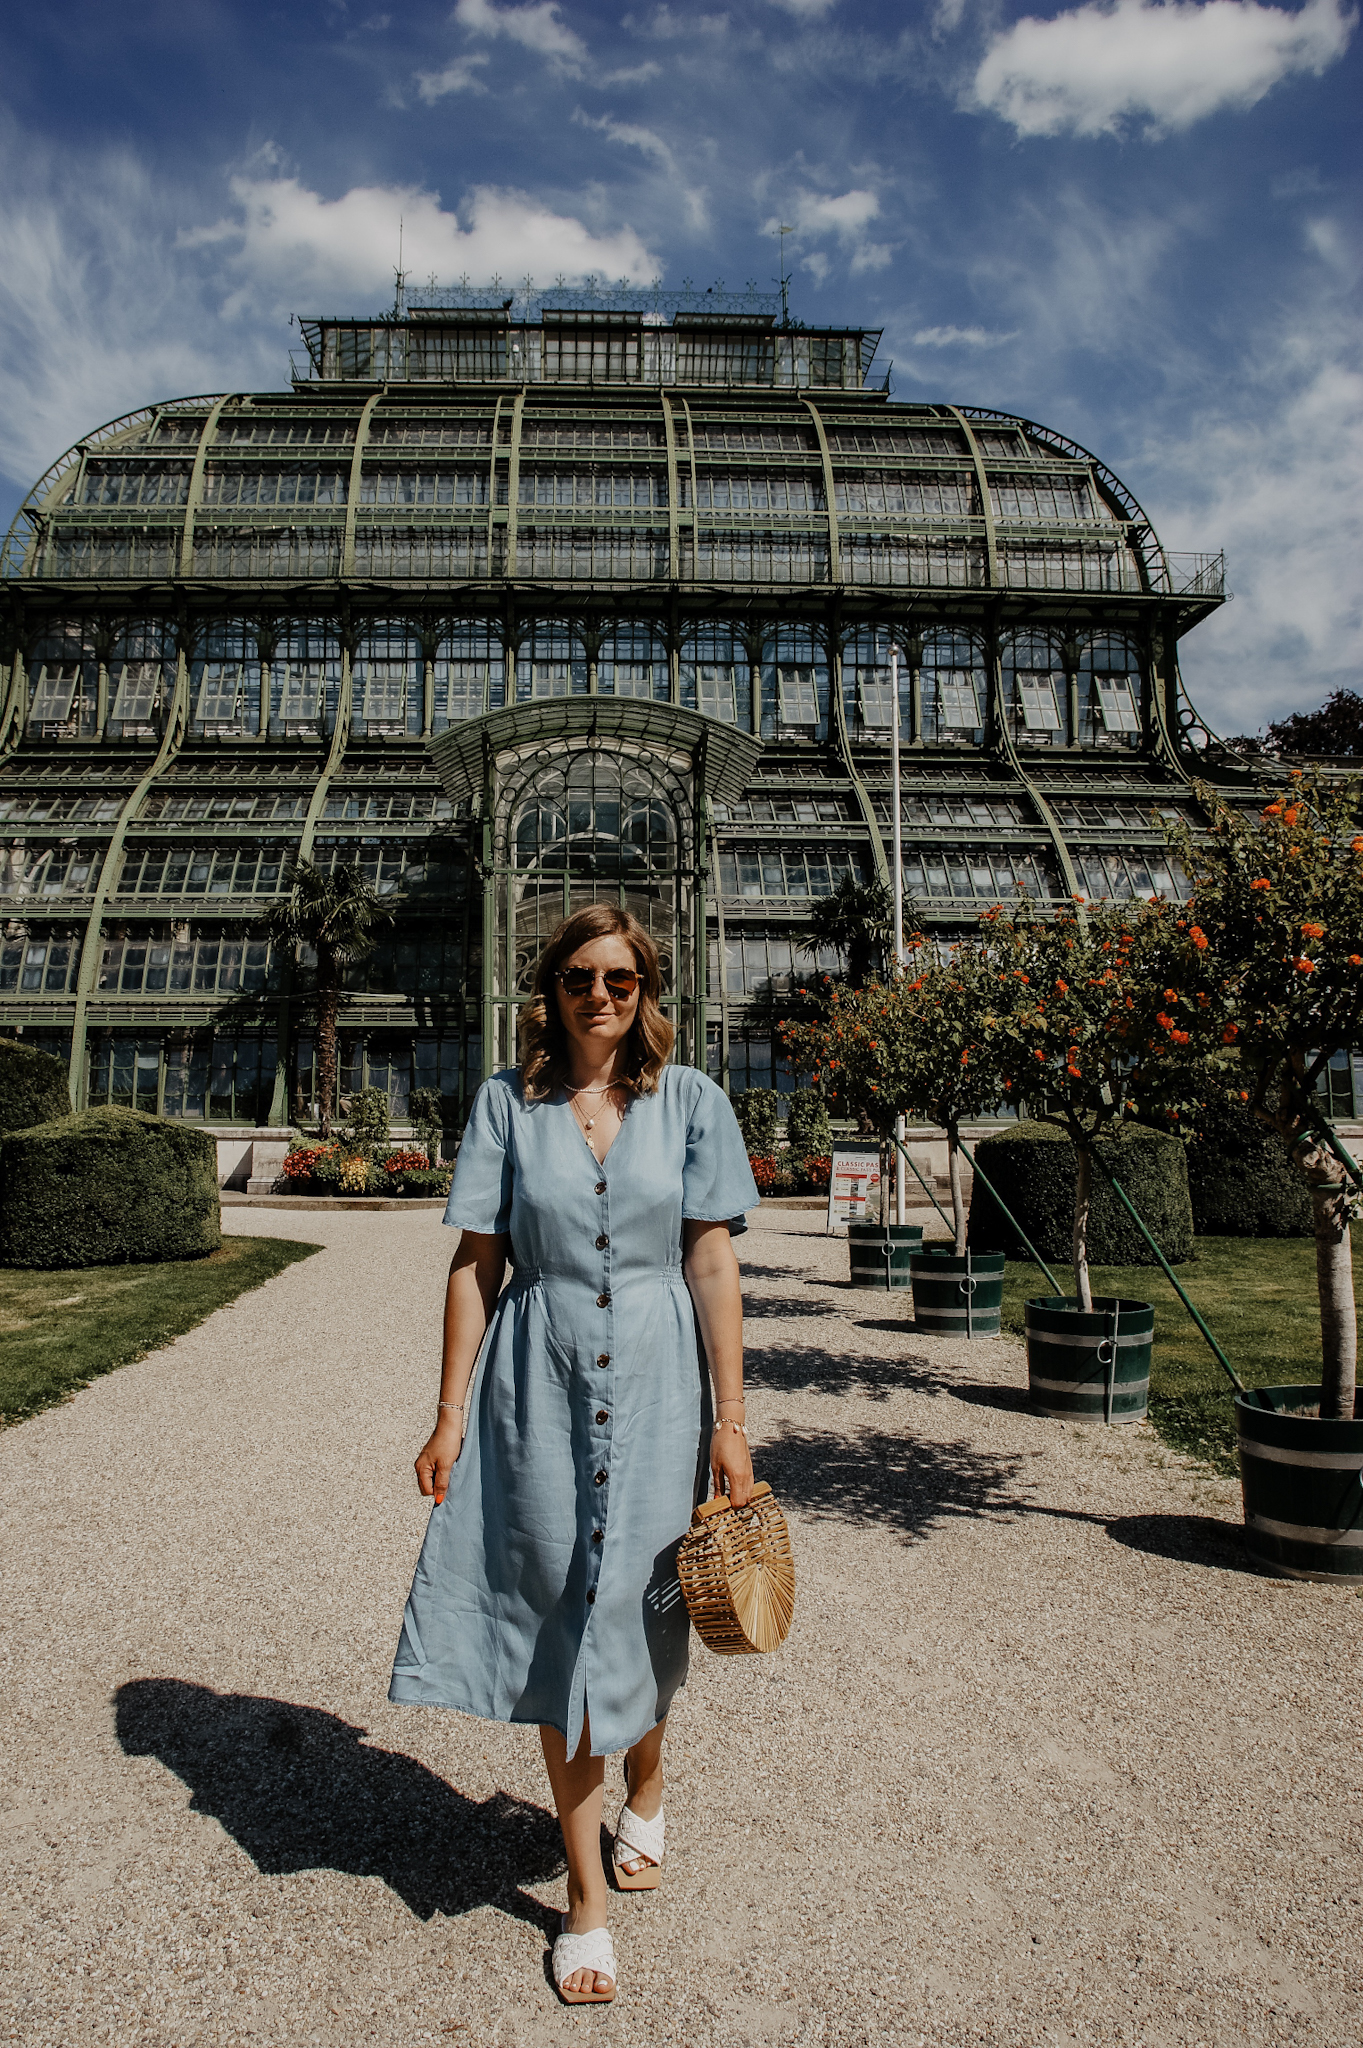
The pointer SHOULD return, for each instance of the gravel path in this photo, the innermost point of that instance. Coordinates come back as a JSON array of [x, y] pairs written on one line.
[[1041, 1762]]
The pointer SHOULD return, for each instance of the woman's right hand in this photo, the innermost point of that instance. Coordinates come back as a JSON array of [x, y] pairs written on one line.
[[439, 1455]]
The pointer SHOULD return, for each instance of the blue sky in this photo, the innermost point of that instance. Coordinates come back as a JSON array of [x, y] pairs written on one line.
[[1137, 222]]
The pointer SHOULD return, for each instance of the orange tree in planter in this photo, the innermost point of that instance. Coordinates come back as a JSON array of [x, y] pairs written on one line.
[[1083, 1029], [923, 1046], [1270, 982]]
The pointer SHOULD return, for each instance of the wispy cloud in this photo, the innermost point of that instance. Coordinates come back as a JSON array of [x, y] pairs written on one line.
[[1166, 63], [669, 26], [650, 144], [632, 74], [459, 76], [807, 10], [537, 26], [960, 337]]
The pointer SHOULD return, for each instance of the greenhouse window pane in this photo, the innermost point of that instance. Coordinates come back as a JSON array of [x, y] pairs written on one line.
[[1036, 697], [138, 684], [875, 697], [1116, 703], [52, 698], [957, 701], [797, 697], [220, 692], [715, 694]]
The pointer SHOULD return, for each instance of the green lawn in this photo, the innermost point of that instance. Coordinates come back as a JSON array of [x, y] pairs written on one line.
[[1258, 1294], [61, 1330]]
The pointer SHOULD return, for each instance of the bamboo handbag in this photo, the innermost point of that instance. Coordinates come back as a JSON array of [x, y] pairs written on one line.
[[738, 1574]]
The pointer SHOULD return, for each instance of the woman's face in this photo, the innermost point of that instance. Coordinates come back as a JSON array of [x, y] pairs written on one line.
[[596, 1023]]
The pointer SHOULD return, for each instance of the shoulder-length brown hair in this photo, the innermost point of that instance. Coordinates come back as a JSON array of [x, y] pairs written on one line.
[[541, 1038]]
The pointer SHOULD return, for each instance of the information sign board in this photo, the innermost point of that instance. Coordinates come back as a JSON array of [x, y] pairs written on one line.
[[853, 1185]]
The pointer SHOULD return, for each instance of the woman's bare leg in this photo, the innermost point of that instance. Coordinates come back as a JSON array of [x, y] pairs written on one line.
[[577, 1786], [644, 1778]]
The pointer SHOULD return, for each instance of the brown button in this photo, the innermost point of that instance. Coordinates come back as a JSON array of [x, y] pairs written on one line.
[[603, 1415], [603, 1358], [591, 1597], [597, 1535], [600, 1478], [603, 1301], [601, 1187], [602, 1242]]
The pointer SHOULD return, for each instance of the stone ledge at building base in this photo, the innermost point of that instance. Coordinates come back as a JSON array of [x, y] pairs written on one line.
[[232, 1199]]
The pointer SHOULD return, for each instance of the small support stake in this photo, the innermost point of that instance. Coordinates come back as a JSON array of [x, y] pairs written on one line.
[[1120, 1192], [1056, 1288]]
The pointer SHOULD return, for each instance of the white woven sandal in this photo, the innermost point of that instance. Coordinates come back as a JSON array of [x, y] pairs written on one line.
[[634, 1838], [591, 1951]]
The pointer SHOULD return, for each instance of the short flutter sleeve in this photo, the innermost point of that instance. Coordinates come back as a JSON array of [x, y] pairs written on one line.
[[717, 1182], [480, 1194]]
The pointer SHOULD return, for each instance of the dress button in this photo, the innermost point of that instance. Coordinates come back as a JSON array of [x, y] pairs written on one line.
[[603, 1415], [601, 1187], [602, 1242], [600, 1478], [597, 1535], [603, 1301], [603, 1358], [591, 1597]]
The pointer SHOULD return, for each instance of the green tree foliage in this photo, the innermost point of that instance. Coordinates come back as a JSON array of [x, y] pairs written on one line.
[[922, 1046], [336, 915], [1335, 728], [106, 1186], [1082, 1028], [758, 1111], [1269, 986], [34, 1087], [857, 921], [426, 1107], [809, 1134], [366, 1132]]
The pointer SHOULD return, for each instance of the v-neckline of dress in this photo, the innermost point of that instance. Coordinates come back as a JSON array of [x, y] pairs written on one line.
[[587, 1143]]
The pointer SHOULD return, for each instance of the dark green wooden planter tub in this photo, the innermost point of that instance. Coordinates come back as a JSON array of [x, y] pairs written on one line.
[[1302, 1481], [1089, 1367], [957, 1297], [880, 1253]]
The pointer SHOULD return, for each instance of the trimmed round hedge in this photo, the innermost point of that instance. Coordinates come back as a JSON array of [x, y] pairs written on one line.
[[1241, 1181], [33, 1086], [107, 1186], [1032, 1166]]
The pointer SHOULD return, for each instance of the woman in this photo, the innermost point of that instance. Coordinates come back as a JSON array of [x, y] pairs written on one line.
[[565, 1476]]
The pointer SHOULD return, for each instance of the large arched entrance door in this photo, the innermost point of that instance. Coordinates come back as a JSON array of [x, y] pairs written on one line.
[[590, 799]]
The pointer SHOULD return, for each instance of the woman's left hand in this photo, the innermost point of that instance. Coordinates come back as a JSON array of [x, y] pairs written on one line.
[[731, 1464]]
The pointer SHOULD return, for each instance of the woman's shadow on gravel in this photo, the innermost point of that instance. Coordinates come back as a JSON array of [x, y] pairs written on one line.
[[300, 1790]]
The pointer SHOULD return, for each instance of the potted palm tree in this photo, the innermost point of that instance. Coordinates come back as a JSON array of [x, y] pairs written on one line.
[[1270, 985], [1081, 1004], [334, 914]]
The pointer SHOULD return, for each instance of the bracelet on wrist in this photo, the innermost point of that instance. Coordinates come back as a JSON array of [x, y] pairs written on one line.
[[727, 1422], [455, 1407], [734, 1401]]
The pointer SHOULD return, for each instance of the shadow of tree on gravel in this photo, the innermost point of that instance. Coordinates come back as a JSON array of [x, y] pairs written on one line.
[[1189, 1539], [872, 1478], [817, 1370], [298, 1789], [796, 1308]]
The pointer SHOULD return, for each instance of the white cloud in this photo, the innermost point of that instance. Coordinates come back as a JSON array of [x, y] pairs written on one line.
[[460, 76], [846, 216], [289, 245], [633, 74], [959, 337], [806, 10], [1167, 62], [1276, 478], [536, 27]]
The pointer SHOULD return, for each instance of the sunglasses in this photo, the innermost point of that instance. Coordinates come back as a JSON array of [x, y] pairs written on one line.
[[620, 982]]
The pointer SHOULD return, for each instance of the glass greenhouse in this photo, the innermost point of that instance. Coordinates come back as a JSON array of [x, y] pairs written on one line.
[[518, 605]]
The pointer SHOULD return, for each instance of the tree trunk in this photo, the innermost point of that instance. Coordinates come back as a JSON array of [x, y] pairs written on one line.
[[957, 1193], [1083, 1197], [328, 1004], [1334, 1281]]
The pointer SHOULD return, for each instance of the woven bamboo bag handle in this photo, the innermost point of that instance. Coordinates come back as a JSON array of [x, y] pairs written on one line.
[[738, 1574]]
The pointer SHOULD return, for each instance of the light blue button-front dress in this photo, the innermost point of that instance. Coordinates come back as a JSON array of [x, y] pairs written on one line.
[[546, 1589]]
